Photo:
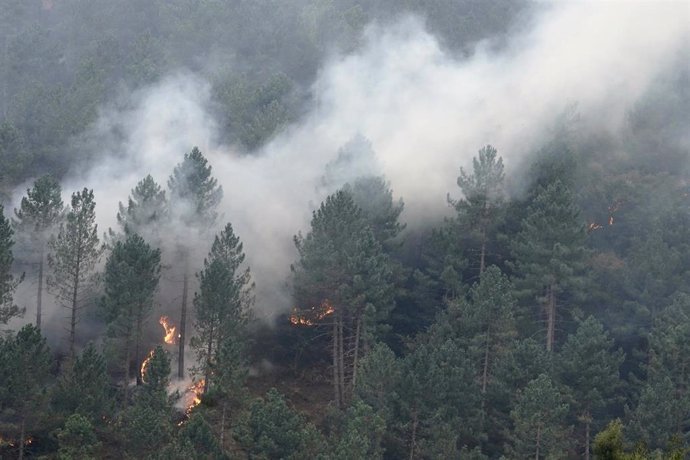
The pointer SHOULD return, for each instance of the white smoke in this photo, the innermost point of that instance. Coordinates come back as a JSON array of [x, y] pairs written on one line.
[[425, 112]]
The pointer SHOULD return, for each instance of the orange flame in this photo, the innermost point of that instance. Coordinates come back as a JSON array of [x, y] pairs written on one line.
[[170, 338], [312, 316], [196, 390], [145, 364]]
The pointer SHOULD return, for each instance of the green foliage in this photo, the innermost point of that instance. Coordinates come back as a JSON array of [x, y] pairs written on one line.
[[74, 252], [359, 434], [539, 422], [8, 283], [591, 370], [24, 382], [550, 252], [478, 212], [222, 302], [130, 280], [273, 430], [86, 388], [41, 209], [194, 192], [372, 194], [146, 211], [78, 440], [146, 426]]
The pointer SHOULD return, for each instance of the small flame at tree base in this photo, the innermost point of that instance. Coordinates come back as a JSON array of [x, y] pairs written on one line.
[[313, 316], [145, 364], [170, 338], [195, 391]]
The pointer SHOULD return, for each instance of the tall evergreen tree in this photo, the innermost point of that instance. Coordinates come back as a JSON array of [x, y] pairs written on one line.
[[663, 409], [223, 301], [26, 362], [550, 252], [8, 283], [590, 368], [86, 388], [373, 195], [540, 429], [147, 424], [478, 209], [343, 273], [40, 211], [130, 280], [194, 197], [146, 211], [74, 252]]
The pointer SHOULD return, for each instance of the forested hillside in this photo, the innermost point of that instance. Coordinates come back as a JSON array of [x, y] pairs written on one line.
[[344, 229]]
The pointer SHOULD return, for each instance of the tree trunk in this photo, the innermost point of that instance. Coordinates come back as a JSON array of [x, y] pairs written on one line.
[[485, 373], [207, 370], [39, 294], [536, 455], [73, 319], [22, 434], [336, 367], [482, 253], [183, 323], [355, 359], [136, 346], [587, 423], [341, 363], [222, 428], [413, 435], [127, 363], [551, 319]]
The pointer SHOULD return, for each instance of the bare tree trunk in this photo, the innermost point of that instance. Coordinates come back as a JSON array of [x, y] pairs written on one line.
[[22, 434], [222, 428], [587, 423], [485, 373], [341, 362], [73, 319], [413, 435], [207, 370], [136, 346], [183, 322], [482, 253], [551, 319], [127, 363], [336, 367], [358, 333], [39, 295]]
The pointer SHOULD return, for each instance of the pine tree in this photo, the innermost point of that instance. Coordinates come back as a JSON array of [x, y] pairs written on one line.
[[223, 301], [344, 275], [550, 252], [8, 283], [373, 195], [130, 280], [590, 368], [74, 252], [94, 399], [194, 197], [26, 363], [146, 211], [273, 430], [539, 422], [478, 210], [78, 440], [40, 211], [663, 409], [147, 425]]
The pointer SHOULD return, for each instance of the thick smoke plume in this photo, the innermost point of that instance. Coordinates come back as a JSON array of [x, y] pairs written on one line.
[[425, 112]]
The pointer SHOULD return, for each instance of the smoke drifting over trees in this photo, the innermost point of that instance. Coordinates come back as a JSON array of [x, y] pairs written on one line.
[[357, 127]]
